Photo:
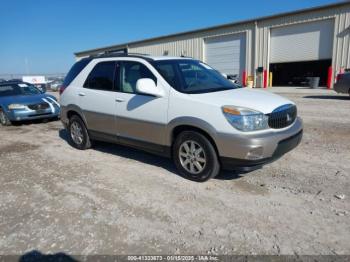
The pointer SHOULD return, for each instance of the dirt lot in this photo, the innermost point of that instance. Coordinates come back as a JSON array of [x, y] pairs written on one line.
[[115, 200]]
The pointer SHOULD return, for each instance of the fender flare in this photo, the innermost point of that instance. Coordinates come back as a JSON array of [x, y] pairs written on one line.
[[189, 121], [76, 109]]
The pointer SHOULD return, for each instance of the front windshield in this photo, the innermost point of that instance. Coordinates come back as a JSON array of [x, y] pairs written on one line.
[[192, 77], [18, 89]]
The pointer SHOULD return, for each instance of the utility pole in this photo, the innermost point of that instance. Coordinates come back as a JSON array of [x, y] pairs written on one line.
[[26, 65]]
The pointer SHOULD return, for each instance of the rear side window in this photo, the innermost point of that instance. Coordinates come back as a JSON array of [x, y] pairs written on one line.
[[75, 70], [101, 77]]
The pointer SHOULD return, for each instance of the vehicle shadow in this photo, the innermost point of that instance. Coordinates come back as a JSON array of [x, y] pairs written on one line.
[[34, 122], [329, 97], [144, 157], [36, 256], [229, 175], [127, 152]]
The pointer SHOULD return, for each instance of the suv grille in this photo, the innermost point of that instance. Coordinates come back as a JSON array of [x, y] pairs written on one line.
[[39, 106], [282, 116]]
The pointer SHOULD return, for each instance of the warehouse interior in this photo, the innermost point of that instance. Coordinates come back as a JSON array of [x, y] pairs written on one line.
[[299, 73]]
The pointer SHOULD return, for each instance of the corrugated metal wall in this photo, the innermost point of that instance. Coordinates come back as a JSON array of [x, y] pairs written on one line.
[[193, 44], [341, 47], [257, 38], [174, 46]]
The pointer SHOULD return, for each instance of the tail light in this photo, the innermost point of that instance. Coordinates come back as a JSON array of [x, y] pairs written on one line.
[[62, 88]]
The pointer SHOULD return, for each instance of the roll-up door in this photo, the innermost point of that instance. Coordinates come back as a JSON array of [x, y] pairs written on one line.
[[226, 53], [302, 42]]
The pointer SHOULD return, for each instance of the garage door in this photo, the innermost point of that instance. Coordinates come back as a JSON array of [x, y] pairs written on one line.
[[226, 53], [302, 42]]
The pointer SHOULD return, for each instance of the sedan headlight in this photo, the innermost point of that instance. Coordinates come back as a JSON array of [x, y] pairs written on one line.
[[245, 119], [16, 106]]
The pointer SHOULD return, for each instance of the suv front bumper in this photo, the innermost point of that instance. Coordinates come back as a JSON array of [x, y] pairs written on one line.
[[250, 152]]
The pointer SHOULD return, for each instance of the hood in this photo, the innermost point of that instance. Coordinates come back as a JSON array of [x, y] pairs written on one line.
[[25, 99], [259, 100]]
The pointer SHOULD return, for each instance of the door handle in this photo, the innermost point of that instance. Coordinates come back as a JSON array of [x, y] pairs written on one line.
[[119, 100], [81, 94]]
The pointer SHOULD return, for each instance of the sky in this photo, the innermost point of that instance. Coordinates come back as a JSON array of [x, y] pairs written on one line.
[[41, 36]]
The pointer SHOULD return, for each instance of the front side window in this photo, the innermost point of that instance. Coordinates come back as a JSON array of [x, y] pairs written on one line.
[[130, 72], [27, 89], [168, 71], [101, 77], [191, 76]]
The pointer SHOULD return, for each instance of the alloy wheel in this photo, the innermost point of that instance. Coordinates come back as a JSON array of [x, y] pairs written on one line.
[[76, 133], [192, 157], [2, 117]]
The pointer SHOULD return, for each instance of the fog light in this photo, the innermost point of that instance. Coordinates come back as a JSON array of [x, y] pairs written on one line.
[[255, 153]]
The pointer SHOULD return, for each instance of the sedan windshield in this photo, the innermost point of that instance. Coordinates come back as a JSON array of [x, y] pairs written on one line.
[[192, 77], [18, 89]]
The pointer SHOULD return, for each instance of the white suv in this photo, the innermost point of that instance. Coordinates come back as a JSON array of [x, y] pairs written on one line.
[[177, 107]]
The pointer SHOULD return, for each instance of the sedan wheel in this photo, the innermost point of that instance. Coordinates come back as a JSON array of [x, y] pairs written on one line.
[[4, 119]]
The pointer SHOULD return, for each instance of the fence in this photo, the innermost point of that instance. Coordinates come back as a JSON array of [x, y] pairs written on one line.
[[19, 76]]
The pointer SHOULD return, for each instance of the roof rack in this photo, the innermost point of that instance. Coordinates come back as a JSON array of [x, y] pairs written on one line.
[[121, 54]]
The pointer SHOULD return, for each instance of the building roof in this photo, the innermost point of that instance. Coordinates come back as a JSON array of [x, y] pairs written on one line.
[[125, 45]]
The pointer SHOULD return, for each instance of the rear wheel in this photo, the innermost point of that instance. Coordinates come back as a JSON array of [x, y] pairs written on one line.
[[4, 119], [78, 134], [195, 157]]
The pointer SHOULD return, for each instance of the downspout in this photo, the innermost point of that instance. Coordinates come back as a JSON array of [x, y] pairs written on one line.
[[255, 51]]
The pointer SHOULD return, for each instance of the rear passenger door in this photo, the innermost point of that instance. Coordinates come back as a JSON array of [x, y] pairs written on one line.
[[141, 119], [97, 98]]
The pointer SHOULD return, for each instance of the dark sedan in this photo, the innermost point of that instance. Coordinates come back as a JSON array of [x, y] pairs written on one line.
[[22, 101], [343, 83]]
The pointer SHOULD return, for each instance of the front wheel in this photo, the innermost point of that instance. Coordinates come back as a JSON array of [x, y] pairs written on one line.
[[195, 156], [4, 119], [78, 134]]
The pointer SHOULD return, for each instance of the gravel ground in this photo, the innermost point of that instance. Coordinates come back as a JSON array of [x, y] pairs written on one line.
[[116, 200]]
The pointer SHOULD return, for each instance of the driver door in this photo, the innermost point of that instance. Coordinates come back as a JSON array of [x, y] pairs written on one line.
[[141, 119]]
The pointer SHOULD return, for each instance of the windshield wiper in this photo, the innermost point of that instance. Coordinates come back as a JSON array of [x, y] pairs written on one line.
[[220, 89], [210, 90]]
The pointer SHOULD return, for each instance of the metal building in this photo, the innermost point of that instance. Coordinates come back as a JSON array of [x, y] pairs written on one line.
[[292, 46]]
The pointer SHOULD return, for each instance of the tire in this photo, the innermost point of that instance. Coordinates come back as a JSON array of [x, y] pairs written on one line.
[[4, 119], [204, 163], [78, 134]]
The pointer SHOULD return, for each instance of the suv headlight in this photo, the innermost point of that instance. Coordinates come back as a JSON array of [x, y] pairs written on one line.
[[245, 119], [16, 106]]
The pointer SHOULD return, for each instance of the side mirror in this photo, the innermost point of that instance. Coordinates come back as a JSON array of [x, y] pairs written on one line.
[[232, 77], [148, 87]]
